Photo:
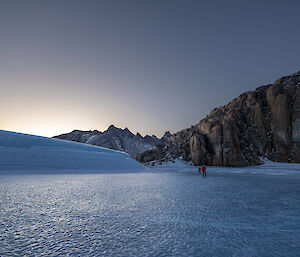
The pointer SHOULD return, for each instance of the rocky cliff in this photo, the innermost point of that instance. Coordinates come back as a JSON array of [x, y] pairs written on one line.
[[260, 123]]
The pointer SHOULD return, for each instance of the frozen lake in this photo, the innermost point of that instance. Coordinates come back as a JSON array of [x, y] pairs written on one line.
[[150, 214]]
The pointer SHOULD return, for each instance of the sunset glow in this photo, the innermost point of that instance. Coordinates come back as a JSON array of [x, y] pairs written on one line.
[[68, 65]]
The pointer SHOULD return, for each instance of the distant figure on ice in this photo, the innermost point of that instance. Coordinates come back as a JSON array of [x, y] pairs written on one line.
[[199, 170], [203, 170]]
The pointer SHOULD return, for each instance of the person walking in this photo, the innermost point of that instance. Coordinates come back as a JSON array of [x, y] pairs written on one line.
[[204, 170]]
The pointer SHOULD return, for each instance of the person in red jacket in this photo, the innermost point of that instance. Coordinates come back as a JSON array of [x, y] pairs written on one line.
[[204, 171]]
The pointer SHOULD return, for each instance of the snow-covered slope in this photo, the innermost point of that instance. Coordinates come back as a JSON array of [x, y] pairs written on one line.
[[22, 153]]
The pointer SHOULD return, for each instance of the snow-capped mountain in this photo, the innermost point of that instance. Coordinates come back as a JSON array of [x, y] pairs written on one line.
[[116, 138]]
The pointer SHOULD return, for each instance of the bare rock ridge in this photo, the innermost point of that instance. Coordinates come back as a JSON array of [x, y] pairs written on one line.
[[260, 123], [115, 138]]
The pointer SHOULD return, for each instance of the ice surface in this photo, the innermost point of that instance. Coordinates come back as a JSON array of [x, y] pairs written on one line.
[[169, 211], [150, 214], [21, 153], [268, 168]]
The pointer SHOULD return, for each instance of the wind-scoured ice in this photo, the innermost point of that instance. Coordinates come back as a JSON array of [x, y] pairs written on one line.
[[150, 214]]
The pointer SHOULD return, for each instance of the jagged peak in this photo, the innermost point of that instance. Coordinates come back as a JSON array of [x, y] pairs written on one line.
[[126, 130], [167, 134], [111, 127], [139, 135]]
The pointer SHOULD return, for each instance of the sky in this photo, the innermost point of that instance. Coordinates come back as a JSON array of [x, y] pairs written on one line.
[[149, 65]]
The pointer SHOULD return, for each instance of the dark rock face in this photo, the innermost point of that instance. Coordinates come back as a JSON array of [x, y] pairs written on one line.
[[260, 123], [166, 136], [79, 135], [114, 138]]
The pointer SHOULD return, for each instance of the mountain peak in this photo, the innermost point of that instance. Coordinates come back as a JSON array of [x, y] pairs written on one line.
[[138, 135], [126, 130], [111, 127], [167, 135]]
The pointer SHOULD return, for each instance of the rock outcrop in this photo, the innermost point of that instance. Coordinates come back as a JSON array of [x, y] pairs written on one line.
[[260, 123]]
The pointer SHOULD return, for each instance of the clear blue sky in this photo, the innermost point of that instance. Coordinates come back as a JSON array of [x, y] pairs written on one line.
[[149, 65]]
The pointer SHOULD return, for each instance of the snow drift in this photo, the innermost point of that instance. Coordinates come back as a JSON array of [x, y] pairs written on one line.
[[22, 153]]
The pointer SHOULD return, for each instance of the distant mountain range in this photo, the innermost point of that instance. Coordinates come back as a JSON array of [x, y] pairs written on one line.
[[116, 138], [264, 123]]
